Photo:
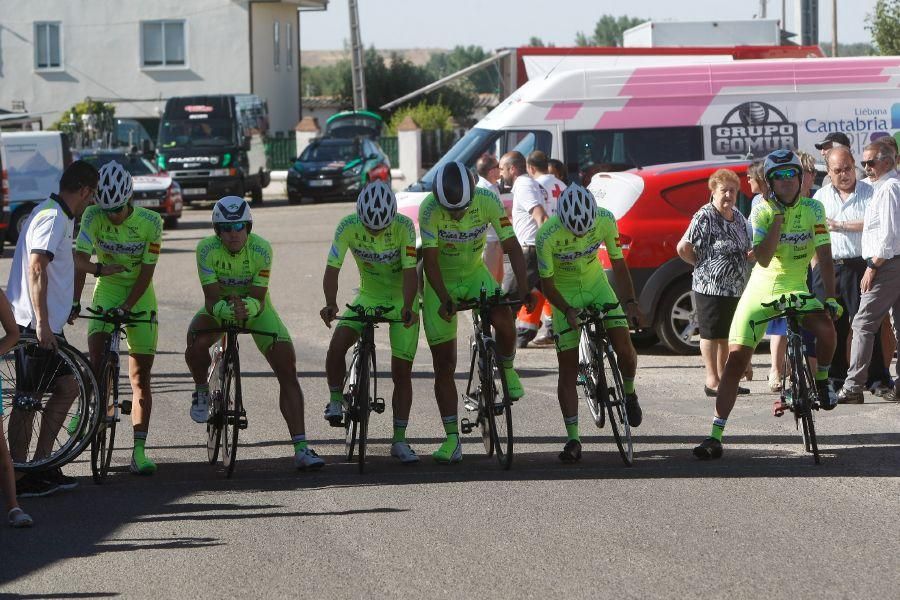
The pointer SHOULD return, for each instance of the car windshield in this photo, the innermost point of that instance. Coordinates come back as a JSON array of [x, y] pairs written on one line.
[[329, 153], [466, 150], [180, 133], [133, 163]]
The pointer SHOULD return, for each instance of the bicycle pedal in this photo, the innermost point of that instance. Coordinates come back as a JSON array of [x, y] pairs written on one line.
[[378, 405], [336, 422], [242, 422], [466, 426], [126, 407]]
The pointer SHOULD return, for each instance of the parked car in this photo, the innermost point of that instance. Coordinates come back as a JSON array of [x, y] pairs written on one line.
[[336, 169], [153, 189], [653, 207], [32, 163]]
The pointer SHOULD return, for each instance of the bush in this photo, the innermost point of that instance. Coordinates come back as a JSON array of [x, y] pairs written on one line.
[[426, 116]]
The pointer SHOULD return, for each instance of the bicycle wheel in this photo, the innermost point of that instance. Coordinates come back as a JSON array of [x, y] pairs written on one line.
[[804, 414], [233, 407], [615, 406], [50, 403], [104, 440], [216, 411], [350, 423], [363, 402], [499, 411], [591, 381]]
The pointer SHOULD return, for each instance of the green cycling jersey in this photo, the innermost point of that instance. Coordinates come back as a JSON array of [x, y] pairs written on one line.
[[236, 273], [460, 243], [571, 260], [380, 258], [802, 231], [134, 242]]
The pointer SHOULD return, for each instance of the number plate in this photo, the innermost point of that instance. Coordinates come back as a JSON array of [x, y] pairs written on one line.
[[193, 191], [150, 202], [320, 182]]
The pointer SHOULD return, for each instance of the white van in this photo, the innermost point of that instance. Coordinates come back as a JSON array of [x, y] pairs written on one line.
[[674, 113], [32, 163]]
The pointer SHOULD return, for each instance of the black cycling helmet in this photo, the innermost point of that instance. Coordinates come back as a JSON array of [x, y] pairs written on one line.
[[454, 186]]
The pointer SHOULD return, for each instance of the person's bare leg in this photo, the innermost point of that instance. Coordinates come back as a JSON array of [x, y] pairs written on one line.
[[709, 350], [59, 404]]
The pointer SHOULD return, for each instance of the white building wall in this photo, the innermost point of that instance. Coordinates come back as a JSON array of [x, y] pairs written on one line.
[[279, 86]]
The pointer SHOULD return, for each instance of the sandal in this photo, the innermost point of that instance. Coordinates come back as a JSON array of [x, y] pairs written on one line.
[[18, 518]]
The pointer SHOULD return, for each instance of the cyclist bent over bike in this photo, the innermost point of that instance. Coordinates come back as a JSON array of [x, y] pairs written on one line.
[[126, 240], [384, 246], [234, 269], [453, 220], [572, 278], [787, 230]]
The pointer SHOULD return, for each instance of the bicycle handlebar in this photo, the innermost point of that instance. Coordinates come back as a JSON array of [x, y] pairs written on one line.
[[491, 301], [787, 305], [125, 318], [594, 314], [371, 314], [237, 329]]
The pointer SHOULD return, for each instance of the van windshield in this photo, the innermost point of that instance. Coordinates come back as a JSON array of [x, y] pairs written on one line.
[[180, 133]]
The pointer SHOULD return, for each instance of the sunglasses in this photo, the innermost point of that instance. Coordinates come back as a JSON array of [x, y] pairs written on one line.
[[118, 209], [869, 163], [783, 174], [230, 227]]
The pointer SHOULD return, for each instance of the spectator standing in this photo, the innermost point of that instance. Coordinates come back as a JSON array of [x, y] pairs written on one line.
[[879, 286], [837, 139], [41, 289], [558, 169], [14, 513], [717, 243], [528, 213], [488, 169]]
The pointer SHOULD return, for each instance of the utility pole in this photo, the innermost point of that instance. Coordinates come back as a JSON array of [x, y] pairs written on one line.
[[357, 61], [834, 43], [784, 14]]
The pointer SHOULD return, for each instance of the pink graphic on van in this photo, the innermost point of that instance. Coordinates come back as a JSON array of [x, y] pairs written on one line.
[[655, 92], [562, 111]]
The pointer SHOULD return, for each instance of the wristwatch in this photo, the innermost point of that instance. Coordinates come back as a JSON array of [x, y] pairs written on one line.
[[871, 264], [98, 270]]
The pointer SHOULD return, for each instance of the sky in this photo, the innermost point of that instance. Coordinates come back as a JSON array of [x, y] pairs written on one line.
[[494, 24]]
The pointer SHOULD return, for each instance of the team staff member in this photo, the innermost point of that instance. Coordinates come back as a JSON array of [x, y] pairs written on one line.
[[528, 213], [126, 240], [573, 279], [452, 223], [383, 244], [233, 266], [488, 169]]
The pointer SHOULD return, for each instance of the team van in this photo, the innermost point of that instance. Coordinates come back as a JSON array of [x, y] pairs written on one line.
[[214, 146]]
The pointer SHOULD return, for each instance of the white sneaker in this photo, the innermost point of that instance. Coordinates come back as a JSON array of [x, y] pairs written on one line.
[[307, 460], [200, 406], [404, 452], [334, 411]]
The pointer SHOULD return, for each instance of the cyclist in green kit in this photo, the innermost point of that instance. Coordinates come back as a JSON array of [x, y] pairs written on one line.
[[787, 231], [126, 240], [573, 278], [383, 244], [234, 267]]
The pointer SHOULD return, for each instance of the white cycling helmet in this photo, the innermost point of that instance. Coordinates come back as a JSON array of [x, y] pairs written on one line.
[[454, 186], [231, 209], [115, 186], [376, 205], [577, 209], [781, 159]]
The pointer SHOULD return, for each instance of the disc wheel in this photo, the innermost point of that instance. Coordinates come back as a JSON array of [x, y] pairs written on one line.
[[104, 440]]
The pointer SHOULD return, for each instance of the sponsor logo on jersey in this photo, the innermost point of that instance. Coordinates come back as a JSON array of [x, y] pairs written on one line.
[[576, 254], [795, 239], [385, 258], [129, 248], [234, 281], [461, 237]]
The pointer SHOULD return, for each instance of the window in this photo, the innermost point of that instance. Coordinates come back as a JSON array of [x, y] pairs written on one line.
[[289, 45], [276, 38], [163, 44], [47, 49], [631, 147]]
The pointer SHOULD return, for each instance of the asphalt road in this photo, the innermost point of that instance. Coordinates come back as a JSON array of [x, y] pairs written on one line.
[[762, 522]]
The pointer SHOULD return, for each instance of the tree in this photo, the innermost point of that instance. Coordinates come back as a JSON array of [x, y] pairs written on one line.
[[608, 31], [536, 42], [87, 122], [884, 24], [442, 64]]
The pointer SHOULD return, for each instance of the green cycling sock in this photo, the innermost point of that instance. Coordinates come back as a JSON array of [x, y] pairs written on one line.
[[628, 384], [144, 465], [822, 372], [717, 428], [572, 428], [451, 425], [399, 430], [335, 396], [299, 442]]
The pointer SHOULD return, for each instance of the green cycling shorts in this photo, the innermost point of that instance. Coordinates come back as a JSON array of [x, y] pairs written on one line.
[[267, 320], [404, 340], [437, 330], [141, 337], [596, 293], [750, 308]]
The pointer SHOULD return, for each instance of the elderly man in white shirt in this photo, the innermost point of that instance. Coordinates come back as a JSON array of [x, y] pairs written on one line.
[[528, 213], [845, 200], [488, 169], [880, 284]]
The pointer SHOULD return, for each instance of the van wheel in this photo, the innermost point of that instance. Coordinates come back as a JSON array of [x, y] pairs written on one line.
[[16, 222], [676, 322]]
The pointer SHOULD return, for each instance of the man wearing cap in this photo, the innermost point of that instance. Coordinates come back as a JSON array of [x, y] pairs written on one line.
[[835, 140]]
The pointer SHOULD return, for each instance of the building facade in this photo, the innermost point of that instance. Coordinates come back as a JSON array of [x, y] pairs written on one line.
[[56, 53]]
